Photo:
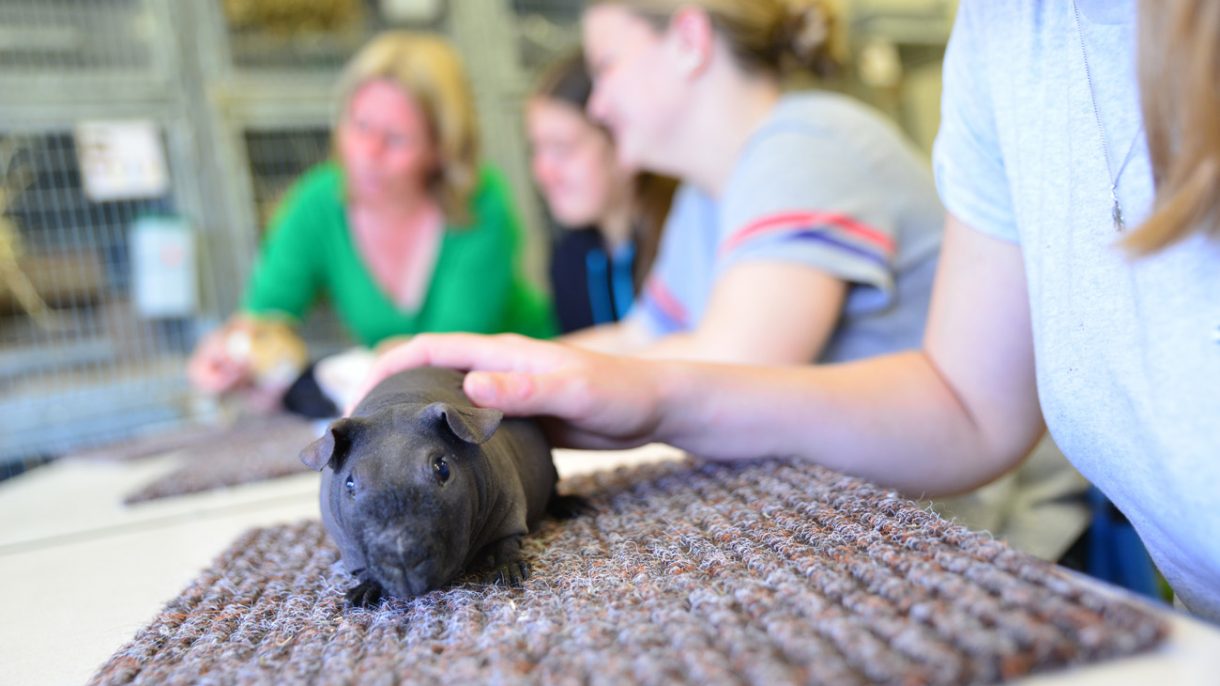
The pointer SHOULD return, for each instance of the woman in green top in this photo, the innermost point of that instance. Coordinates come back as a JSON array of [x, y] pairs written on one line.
[[404, 233]]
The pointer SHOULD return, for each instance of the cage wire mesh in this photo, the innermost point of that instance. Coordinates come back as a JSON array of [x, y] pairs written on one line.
[[277, 158], [78, 363], [75, 36]]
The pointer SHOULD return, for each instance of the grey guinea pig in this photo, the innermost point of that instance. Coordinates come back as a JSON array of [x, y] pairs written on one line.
[[419, 484]]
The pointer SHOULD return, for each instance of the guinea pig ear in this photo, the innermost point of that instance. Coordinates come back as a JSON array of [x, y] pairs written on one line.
[[331, 448], [471, 424]]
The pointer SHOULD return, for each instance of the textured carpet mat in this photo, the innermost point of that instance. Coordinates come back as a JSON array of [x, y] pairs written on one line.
[[769, 573], [185, 437], [230, 457], [148, 445]]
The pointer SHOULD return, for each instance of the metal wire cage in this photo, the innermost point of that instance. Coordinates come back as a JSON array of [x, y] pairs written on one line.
[[89, 36], [277, 157], [58, 50], [80, 358]]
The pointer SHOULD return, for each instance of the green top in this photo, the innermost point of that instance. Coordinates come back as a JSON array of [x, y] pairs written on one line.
[[476, 285]]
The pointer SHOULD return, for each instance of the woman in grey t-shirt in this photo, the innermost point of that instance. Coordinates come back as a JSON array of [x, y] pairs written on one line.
[[806, 227]]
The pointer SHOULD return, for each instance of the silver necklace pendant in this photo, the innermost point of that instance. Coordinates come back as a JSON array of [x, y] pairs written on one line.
[[1116, 210]]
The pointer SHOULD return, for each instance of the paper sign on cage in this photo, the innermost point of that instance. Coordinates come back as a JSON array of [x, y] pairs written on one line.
[[121, 160]]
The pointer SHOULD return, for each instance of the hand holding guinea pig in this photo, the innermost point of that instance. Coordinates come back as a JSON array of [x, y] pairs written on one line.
[[419, 484]]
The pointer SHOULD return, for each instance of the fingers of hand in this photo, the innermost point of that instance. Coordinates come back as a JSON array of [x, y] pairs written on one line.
[[563, 393], [506, 352]]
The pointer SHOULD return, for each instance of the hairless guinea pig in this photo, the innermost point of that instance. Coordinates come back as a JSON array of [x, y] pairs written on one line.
[[419, 484]]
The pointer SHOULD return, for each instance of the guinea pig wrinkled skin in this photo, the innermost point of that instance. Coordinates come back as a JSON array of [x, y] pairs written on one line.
[[419, 485]]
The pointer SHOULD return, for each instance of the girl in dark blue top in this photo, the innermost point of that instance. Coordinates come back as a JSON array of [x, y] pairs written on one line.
[[609, 218]]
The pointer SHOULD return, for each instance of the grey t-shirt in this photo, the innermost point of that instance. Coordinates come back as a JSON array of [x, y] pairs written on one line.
[[825, 182], [1128, 366]]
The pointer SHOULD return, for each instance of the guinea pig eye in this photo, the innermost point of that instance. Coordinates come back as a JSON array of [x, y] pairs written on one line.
[[350, 485], [440, 468]]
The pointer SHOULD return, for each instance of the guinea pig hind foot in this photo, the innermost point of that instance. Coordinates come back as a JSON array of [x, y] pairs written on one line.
[[365, 594]]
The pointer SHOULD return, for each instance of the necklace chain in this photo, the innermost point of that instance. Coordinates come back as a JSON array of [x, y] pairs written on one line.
[[1116, 210]]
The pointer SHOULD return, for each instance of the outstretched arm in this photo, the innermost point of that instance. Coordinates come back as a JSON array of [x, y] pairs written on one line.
[[624, 337], [941, 420], [764, 312]]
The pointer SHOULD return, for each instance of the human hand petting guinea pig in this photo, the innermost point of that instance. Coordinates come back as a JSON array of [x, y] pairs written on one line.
[[600, 401]]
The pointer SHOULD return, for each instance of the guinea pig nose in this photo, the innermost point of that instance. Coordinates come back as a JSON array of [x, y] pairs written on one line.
[[411, 551]]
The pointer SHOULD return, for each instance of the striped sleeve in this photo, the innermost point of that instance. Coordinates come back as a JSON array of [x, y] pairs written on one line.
[[787, 203], [662, 311], [836, 231]]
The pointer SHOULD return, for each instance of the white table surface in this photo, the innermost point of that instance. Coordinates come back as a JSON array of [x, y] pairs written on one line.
[[80, 572]]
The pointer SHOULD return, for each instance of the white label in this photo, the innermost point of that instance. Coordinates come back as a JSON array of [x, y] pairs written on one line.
[[121, 160], [163, 277]]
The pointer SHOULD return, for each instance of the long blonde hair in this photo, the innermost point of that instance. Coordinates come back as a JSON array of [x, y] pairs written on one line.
[[1179, 76], [773, 36], [428, 69]]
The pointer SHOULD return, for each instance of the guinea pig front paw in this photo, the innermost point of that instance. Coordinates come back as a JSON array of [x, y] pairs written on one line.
[[365, 594], [511, 573]]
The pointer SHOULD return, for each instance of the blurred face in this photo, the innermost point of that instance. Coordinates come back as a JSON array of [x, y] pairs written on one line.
[[385, 145], [638, 85], [573, 163]]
